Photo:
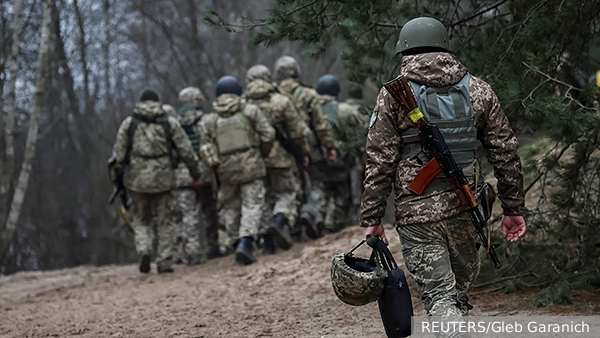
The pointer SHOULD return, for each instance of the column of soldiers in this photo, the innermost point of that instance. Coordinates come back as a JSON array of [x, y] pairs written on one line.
[[270, 157]]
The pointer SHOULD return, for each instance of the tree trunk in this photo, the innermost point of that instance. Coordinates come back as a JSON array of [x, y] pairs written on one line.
[[106, 52], [7, 170], [32, 135], [83, 55]]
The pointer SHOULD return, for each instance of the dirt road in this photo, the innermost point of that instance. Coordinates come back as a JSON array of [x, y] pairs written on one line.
[[287, 295]]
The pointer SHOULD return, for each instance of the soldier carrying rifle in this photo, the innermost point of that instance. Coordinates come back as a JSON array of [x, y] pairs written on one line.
[[436, 230]]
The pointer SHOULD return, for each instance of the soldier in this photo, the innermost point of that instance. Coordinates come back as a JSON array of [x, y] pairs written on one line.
[[280, 208], [337, 183], [232, 141], [148, 144], [358, 118], [287, 75], [200, 230], [438, 239]]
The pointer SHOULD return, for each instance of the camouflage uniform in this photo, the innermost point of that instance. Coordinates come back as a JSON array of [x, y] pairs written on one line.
[[150, 175], [337, 184], [438, 240], [356, 116], [241, 171], [198, 236], [320, 135], [282, 114]]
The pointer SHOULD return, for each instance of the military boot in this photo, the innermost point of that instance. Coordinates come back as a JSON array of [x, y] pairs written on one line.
[[145, 261], [268, 245], [307, 222], [196, 259], [244, 253], [167, 269], [279, 231]]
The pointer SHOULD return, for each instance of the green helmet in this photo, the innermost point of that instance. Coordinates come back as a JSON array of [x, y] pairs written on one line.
[[356, 281], [191, 96], [422, 32]]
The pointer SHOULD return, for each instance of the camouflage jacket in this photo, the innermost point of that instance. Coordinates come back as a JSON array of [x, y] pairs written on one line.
[[385, 168], [189, 118], [150, 169], [284, 116], [242, 166], [307, 101]]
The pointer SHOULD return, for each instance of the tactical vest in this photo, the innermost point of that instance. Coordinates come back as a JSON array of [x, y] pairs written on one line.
[[233, 134], [193, 134], [162, 120], [449, 108], [191, 129]]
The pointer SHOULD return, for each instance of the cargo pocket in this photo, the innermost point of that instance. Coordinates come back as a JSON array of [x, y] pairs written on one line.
[[413, 256]]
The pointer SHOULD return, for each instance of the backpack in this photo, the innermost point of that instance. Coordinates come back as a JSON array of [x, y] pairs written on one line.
[[163, 120]]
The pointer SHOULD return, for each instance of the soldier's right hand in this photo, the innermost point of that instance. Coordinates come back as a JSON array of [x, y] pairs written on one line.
[[377, 230]]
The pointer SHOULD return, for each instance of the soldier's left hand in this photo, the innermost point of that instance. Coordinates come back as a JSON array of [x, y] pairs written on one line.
[[197, 183], [513, 227], [305, 161]]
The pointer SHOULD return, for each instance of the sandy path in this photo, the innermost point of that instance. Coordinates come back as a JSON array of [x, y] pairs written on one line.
[[287, 295]]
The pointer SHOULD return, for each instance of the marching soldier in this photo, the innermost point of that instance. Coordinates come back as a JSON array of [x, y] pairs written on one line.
[[233, 142], [438, 238], [280, 210], [200, 223], [148, 146], [287, 75]]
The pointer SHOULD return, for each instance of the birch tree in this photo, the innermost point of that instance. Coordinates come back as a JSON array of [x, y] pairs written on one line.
[[32, 134]]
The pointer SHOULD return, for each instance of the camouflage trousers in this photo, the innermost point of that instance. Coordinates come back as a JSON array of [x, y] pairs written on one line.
[[242, 208], [164, 206], [442, 258], [330, 199], [280, 185], [191, 236], [209, 209]]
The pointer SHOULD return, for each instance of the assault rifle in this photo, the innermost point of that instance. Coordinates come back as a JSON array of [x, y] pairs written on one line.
[[441, 160], [116, 176]]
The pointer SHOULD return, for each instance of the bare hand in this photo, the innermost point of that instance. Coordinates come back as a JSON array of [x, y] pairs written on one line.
[[305, 161], [331, 155], [513, 227], [197, 183], [377, 230]]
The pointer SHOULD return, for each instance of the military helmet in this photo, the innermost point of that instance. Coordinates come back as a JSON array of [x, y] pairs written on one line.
[[170, 110], [228, 85], [192, 97], [422, 32], [328, 84], [356, 281], [257, 72], [286, 67]]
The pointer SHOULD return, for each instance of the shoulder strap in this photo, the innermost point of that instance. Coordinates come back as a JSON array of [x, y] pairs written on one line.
[[130, 131]]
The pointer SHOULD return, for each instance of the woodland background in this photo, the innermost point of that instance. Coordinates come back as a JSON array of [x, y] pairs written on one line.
[[67, 95]]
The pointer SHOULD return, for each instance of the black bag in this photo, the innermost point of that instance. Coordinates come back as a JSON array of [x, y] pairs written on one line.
[[395, 304]]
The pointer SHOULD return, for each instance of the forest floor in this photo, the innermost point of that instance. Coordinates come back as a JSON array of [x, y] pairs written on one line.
[[287, 295]]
